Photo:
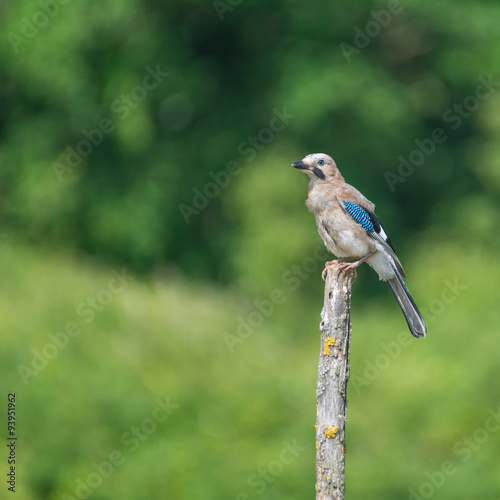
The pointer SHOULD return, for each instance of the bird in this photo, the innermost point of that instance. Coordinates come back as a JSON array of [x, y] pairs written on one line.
[[350, 229]]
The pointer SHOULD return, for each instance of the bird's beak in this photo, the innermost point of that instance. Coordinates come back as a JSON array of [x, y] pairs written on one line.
[[301, 165]]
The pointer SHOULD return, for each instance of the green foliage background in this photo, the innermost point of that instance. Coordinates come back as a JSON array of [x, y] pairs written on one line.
[[200, 272]]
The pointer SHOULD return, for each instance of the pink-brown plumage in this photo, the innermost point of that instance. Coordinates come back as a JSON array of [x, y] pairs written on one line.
[[328, 198]]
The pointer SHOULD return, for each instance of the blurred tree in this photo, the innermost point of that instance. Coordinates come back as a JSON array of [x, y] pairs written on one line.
[[99, 156]]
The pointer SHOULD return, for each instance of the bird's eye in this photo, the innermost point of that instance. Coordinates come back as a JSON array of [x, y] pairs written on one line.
[[321, 162]]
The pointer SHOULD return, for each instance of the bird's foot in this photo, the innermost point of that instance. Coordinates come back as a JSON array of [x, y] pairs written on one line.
[[325, 270], [332, 262], [344, 264]]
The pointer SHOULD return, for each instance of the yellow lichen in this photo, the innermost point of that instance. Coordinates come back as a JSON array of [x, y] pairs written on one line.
[[329, 342], [316, 427], [330, 433]]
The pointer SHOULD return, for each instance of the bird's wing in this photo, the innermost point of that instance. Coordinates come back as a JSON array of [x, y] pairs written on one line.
[[371, 224], [350, 193]]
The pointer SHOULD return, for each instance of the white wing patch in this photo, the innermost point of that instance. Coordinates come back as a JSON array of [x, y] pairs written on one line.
[[383, 233]]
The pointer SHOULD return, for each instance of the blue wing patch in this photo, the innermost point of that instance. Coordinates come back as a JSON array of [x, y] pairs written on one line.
[[360, 215]]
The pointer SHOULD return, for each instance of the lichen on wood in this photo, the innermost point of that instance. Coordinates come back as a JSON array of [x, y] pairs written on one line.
[[331, 393]]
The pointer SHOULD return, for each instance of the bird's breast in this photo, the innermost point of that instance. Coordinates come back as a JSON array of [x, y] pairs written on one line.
[[342, 235]]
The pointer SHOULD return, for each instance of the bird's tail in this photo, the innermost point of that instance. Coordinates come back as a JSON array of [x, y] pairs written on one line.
[[416, 323]]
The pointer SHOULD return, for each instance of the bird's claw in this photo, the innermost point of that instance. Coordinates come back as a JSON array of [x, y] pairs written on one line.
[[344, 266], [325, 270]]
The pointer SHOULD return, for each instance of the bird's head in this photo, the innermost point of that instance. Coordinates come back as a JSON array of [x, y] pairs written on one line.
[[319, 167]]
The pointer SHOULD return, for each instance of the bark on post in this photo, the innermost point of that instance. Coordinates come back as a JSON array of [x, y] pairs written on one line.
[[331, 393]]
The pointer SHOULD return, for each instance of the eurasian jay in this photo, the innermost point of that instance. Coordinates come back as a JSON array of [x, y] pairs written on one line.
[[351, 230]]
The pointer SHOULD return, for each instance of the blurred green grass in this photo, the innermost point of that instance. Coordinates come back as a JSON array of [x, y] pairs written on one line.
[[163, 337], [173, 331]]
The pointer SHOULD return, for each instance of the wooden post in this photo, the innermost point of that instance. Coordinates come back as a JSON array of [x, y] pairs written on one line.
[[331, 393]]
